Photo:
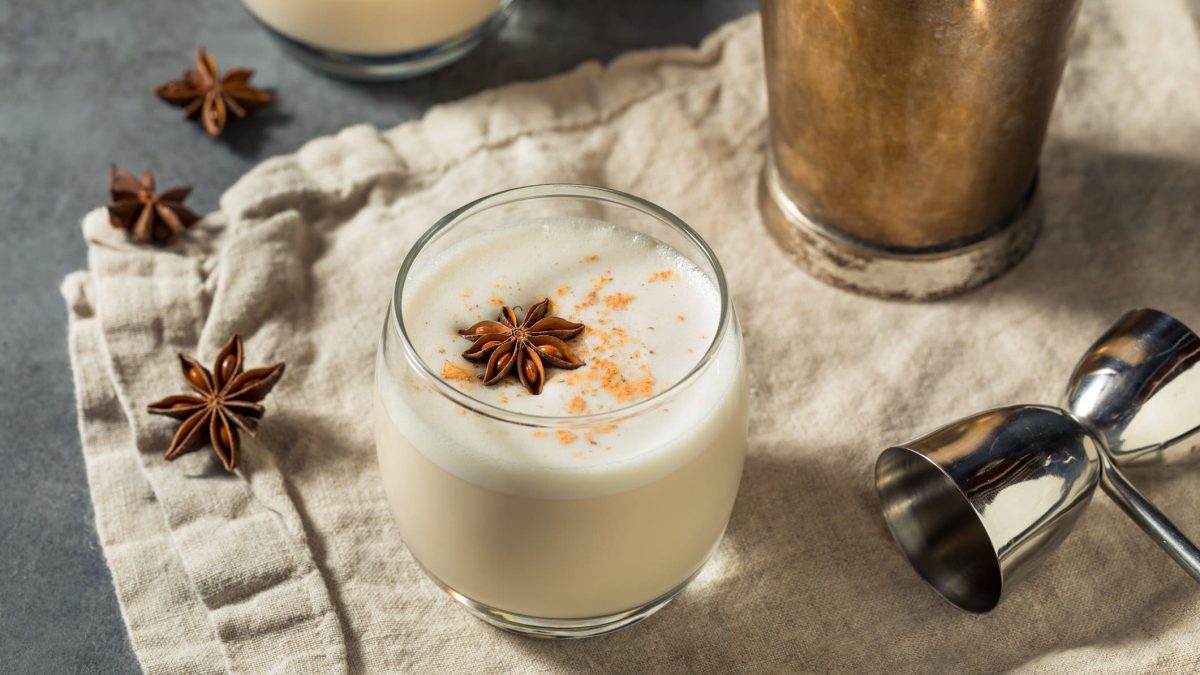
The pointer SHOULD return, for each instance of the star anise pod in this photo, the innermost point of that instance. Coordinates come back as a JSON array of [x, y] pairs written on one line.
[[203, 92], [530, 344], [228, 401], [149, 216]]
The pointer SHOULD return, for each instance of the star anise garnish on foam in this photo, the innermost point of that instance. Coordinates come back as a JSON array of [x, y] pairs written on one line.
[[530, 344], [149, 216], [228, 401], [203, 92]]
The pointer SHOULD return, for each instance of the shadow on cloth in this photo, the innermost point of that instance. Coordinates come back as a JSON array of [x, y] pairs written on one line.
[[808, 577], [1119, 233]]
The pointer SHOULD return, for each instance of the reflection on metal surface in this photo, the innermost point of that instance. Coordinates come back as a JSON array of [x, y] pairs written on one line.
[[978, 503], [1138, 390]]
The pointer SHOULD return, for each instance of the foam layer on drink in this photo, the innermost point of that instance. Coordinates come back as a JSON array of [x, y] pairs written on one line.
[[651, 315]]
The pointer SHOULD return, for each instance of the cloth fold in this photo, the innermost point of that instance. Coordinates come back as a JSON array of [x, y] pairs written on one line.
[[293, 565]]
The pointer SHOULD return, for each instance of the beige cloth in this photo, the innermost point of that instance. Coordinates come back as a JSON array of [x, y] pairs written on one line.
[[293, 565]]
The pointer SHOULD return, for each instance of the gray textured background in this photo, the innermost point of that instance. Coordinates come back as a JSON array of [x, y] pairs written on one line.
[[75, 96]]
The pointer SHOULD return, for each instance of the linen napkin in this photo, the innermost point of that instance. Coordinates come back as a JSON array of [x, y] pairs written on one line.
[[293, 565]]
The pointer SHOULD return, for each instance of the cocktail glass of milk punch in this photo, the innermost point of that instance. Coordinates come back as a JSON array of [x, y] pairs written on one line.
[[560, 407]]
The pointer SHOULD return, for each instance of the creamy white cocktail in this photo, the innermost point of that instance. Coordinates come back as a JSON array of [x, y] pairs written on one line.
[[373, 26], [379, 39], [586, 506]]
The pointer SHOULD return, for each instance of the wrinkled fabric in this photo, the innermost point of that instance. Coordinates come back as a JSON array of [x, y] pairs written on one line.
[[293, 565]]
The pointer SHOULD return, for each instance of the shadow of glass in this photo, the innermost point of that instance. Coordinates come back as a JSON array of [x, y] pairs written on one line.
[[808, 579]]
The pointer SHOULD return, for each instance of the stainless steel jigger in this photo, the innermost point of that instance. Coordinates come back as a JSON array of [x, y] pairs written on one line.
[[979, 503]]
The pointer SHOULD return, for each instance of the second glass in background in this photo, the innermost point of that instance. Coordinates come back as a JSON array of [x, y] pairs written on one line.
[[379, 39]]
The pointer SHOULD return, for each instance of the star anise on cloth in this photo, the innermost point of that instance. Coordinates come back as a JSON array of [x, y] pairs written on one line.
[[149, 216], [530, 344], [203, 92], [228, 402]]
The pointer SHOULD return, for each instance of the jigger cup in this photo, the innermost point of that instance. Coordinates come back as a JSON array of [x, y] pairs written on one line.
[[978, 503], [1138, 390]]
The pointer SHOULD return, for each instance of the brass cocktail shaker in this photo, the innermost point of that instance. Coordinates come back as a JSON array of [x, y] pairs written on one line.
[[905, 136]]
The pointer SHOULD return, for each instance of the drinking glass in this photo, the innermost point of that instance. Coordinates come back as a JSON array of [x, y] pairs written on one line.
[[573, 551], [379, 39]]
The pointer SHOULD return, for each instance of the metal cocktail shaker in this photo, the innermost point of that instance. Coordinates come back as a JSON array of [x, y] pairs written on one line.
[[905, 136]]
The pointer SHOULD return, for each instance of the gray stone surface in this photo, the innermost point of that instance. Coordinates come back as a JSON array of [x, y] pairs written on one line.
[[75, 95]]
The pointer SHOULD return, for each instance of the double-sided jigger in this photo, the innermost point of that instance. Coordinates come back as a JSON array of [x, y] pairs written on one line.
[[980, 502]]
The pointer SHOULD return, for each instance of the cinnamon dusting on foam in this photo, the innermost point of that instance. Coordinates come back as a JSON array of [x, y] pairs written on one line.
[[618, 359], [618, 300], [612, 366], [453, 372], [593, 295]]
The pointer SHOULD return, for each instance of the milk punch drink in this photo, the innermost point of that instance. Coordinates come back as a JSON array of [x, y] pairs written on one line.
[[372, 26], [582, 502], [378, 38]]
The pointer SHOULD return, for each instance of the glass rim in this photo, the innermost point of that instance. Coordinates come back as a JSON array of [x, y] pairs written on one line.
[[545, 191]]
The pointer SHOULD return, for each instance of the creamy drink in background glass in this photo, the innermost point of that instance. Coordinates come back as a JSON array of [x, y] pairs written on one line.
[[587, 507], [379, 39]]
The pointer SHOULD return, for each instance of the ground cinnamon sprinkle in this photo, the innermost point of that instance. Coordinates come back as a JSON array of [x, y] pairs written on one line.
[[680, 317], [577, 406], [563, 290], [593, 296], [566, 437], [453, 371], [496, 301], [618, 300], [539, 434], [622, 387], [467, 293], [591, 258], [609, 339], [664, 275]]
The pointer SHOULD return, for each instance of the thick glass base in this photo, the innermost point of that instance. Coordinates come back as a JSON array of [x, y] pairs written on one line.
[[561, 629], [396, 66]]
